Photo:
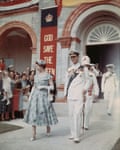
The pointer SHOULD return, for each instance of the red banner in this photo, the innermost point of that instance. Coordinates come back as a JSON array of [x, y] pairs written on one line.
[[48, 38], [59, 4], [12, 2]]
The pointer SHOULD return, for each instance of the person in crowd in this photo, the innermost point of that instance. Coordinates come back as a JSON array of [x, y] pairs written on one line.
[[109, 87], [2, 64], [40, 110], [99, 78], [92, 92], [54, 90], [8, 93], [10, 68], [94, 70], [27, 71], [30, 81], [12, 77], [24, 83], [16, 94], [2, 99], [26, 93], [2, 104]]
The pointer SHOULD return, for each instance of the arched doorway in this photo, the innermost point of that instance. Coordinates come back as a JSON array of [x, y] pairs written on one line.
[[103, 45], [17, 45]]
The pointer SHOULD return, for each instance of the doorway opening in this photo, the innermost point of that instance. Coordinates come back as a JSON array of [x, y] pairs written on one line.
[[105, 54]]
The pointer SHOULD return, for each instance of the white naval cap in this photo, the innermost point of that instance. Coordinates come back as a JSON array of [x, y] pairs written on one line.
[[92, 65], [74, 53], [110, 66], [85, 60]]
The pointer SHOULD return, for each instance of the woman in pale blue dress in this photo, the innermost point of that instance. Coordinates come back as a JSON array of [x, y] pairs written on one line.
[[40, 110]]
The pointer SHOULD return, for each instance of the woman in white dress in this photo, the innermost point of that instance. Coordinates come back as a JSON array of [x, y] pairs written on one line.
[[40, 110]]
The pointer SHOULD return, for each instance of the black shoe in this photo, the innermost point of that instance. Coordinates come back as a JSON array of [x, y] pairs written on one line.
[[109, 114], [86, 129]]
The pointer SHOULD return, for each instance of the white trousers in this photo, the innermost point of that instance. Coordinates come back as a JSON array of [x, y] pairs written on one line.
[[109, 97], [75, 116], [88, 110]]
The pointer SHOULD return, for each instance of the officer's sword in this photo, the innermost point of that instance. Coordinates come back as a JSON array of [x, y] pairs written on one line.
[[83, 111]]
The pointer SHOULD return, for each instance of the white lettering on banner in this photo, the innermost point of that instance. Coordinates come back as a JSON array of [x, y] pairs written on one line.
[[48, 59], [48, 48], [48, 37]]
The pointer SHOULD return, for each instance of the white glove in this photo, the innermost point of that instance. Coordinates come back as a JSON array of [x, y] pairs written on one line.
[[8, 102]]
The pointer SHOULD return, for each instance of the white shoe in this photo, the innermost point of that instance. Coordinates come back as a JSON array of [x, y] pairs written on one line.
[[8, 102], [48, 134], [71, 137], [32, 139], [76, 140]]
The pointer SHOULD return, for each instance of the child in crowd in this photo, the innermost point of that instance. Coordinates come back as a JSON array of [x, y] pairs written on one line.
[[26, 94]]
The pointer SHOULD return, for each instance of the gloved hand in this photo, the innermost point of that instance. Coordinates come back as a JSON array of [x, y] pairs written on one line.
[[8, 102]]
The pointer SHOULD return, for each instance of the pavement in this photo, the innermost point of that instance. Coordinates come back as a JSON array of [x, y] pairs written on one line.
[[103, 133]]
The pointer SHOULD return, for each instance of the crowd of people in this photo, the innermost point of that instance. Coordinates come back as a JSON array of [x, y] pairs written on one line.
[[14, 91]]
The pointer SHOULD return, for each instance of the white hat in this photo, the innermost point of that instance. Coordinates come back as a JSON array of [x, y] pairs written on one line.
[[85, 60], [110, 66], [92, 64], [10, 66], [73, 53], [40, 62]]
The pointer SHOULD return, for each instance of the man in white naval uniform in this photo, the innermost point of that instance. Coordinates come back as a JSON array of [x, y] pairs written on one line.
[[109, 86], [75, 97], [91, 93], [74, 56]]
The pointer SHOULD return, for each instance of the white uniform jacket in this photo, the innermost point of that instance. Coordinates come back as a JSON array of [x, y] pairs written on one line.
[[68, 75], [77, 86], [93, 87], [109, 82]]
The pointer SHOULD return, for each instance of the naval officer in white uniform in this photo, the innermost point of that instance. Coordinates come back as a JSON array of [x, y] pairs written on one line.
[[75, 90], [91, 93], [74, 56], [109, 87]]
